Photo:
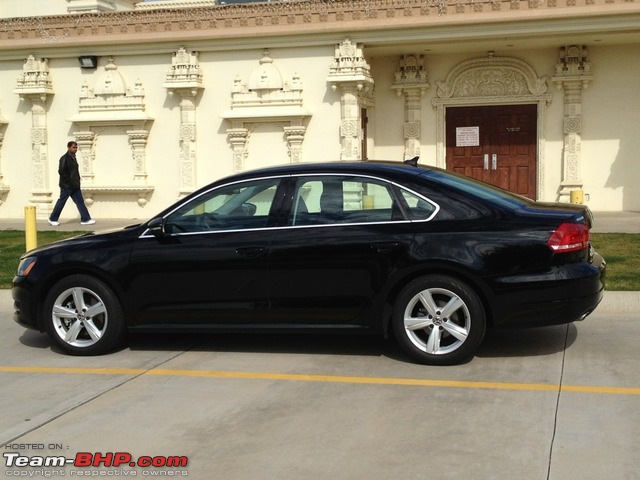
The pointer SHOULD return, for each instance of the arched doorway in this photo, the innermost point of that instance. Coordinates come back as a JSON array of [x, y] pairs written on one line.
[[490, 119]]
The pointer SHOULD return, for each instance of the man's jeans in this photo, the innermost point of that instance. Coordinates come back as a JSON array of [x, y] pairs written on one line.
[[76, 196]]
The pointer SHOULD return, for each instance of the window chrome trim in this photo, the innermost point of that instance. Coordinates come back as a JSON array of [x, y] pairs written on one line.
[[148, 234]]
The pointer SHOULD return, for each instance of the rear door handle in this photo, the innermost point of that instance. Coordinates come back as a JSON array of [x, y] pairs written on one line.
[[386, 247], [251, 252]]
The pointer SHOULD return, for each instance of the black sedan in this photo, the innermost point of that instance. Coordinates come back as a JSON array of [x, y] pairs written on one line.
[[429, 256]]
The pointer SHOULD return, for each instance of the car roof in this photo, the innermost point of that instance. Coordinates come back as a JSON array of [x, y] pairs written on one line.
[[361, 167]]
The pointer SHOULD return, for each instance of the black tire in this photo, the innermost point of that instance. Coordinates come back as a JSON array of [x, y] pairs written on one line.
[[439, 320], [83, 316]]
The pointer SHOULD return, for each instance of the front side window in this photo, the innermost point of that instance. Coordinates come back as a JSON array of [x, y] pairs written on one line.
[[238, 206]]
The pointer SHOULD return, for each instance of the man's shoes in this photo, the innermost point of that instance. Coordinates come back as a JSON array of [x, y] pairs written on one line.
[[54, 224], [91, 221]]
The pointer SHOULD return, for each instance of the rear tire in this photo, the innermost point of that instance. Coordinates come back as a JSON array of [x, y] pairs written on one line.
[[439, 320], [83, 316]]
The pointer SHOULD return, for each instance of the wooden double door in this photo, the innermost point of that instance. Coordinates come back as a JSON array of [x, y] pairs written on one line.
[[495, 144]]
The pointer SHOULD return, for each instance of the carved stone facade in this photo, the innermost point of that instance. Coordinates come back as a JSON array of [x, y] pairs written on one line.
[[151, 21], [196, 57]]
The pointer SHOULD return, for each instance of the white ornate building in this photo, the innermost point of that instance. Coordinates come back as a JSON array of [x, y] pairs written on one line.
[[538, 96]]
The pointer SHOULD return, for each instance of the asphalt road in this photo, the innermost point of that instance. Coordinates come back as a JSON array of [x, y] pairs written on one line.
[[557, 403]]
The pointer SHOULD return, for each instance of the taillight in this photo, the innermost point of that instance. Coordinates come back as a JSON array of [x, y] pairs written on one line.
[[569, 237]]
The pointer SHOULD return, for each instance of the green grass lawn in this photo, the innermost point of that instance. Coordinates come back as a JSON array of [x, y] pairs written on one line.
[[621, 250]]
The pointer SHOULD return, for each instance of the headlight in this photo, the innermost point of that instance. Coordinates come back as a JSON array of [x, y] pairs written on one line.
[[26, 264]]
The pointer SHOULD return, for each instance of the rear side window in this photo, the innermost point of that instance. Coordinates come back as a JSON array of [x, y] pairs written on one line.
[[417, 207], [322, 200]]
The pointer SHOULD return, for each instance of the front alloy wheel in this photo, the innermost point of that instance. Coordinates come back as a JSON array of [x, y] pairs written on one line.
[[85, 316], [439, 320]]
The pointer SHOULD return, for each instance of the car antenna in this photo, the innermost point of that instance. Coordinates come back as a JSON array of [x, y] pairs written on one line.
[[413, 162]]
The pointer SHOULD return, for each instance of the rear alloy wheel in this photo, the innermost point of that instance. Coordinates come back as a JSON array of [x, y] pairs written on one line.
[[439, 320], [84, 316]]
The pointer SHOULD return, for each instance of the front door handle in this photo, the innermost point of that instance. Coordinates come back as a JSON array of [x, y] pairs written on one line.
[[494, 161], [251, 252], [486, 161]]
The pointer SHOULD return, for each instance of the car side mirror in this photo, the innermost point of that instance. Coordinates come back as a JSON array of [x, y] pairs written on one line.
[[156, 226]]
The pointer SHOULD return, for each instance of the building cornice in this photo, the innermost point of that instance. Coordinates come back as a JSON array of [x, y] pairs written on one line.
[[400, 20]]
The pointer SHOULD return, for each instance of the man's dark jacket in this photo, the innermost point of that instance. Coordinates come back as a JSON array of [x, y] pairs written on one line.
[[69, 174]]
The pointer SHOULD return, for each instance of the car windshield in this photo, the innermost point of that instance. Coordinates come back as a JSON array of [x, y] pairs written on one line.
[[478, 189]]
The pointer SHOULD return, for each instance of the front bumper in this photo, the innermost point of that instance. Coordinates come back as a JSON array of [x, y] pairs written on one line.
[[25, 309]]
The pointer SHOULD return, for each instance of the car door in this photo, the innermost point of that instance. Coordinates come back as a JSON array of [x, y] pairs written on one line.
[[345, 236], [209, 265]]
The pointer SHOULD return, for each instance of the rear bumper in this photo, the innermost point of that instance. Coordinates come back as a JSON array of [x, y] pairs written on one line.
[[562, 295]]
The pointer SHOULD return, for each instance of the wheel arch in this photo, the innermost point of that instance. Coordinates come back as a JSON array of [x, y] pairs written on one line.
[[67, 271], [441, 268]]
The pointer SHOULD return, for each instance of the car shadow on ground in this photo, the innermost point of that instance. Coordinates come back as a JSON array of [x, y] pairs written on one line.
[[497, 344], [528, 342]]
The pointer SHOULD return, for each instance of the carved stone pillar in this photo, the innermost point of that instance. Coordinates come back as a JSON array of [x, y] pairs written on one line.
[[350, 121], [349, 74], [184, 78], [573, 74], [4, 189], [34, 86], [238, 137], [138, 142], [411, 79], [295, 137], [188, 146], [86, 153]]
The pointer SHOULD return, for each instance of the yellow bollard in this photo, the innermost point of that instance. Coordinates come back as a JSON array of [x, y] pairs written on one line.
[[367, 202], [30, 229], [577, 196]]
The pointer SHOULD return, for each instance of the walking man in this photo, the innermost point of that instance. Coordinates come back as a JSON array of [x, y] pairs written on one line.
[[70, 187]]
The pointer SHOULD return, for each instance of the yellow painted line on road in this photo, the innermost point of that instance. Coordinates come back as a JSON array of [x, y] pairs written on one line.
[[414, 382]]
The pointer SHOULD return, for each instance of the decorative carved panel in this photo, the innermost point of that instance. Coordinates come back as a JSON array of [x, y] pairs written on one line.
[[111, 104], [266, 99]]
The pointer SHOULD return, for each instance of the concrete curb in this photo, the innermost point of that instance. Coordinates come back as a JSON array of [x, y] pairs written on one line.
[[622, 302]]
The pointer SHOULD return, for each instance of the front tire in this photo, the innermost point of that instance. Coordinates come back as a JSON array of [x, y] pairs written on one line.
[[439, 320], [83, 316]]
